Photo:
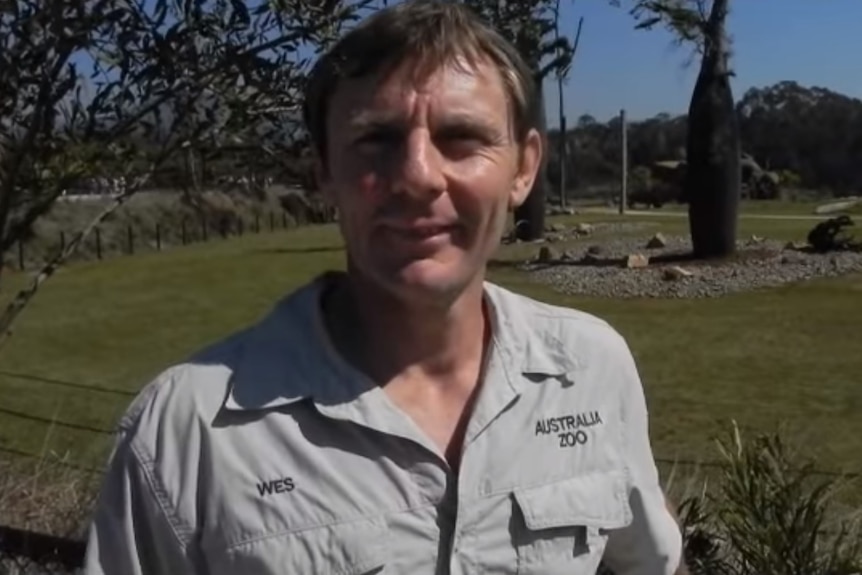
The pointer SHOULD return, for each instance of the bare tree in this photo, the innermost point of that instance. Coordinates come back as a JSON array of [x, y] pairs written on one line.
[[562, 74], [83, 83], [713, 172], [532, 26]]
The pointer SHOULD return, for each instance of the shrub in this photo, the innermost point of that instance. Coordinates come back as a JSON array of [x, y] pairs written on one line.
[[770, 513]]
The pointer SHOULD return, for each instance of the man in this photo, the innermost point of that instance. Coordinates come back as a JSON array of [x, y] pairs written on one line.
[[405, 416]]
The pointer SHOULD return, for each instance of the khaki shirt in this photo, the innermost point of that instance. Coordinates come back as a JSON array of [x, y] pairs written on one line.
[[268, 454]]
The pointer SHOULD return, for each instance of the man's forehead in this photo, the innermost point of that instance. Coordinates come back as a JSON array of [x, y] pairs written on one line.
[[456, 89]]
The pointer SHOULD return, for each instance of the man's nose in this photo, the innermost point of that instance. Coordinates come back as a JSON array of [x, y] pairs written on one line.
[[420, 173]]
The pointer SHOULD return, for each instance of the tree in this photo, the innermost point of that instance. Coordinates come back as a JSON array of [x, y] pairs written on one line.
[[82, 84], [713, 174], [531, 25], [811, 134]]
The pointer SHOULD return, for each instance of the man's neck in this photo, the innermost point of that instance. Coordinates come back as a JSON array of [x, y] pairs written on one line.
[[386, 337]]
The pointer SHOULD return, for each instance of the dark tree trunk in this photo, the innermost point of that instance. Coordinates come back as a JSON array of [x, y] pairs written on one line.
[[713, 174], [530, 216]]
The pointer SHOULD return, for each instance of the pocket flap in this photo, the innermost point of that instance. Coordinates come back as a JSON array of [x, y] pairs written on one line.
[[597, 499], [349, 548], [355, 547]]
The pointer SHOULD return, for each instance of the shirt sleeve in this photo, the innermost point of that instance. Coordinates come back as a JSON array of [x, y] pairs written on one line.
[[130, 533], [652, 543]]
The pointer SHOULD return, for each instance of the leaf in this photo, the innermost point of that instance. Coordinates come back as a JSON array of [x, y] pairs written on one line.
[[161, 73]]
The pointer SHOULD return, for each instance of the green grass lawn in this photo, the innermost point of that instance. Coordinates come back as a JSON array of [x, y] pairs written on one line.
[[788, 355]]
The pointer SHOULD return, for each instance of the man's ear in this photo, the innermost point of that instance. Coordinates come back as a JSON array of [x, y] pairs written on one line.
[[529, 162]]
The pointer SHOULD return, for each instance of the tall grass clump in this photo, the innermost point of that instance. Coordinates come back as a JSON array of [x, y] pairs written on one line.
[[769, 512]]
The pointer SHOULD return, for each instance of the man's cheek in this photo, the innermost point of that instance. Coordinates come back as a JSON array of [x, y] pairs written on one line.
[[362, 187]]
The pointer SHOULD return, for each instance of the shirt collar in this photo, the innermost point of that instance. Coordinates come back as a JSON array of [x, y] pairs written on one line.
[[533, 337], [288, 357]]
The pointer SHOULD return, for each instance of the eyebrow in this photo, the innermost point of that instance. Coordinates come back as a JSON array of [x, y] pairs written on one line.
[[384, 120]]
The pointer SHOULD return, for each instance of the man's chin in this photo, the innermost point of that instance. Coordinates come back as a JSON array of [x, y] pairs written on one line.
[[424, 280]]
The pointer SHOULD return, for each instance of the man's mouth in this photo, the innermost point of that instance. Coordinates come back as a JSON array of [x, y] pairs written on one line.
[[425, 232], [420, 231]]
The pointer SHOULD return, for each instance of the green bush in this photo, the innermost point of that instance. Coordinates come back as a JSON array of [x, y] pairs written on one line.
[[789, 179], [770, 513], [641, 179]]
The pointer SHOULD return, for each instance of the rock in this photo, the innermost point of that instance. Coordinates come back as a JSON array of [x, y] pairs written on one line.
[[754, 240], [656, 242], [635, 261], [583, 229], [590, 258], [546, 254], [552, 238], [558, 228], [839, 206], [793, 258], [675, 273], [761, 266], [796, 246]]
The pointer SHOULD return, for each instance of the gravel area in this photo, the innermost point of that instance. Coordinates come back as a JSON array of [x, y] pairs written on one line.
[[560, 232], [601, 269]]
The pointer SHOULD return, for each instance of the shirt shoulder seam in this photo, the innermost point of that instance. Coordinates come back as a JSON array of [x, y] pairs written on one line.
[[179, 529]]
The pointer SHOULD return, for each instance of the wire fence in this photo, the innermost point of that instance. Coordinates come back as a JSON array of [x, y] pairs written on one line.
[[25, 552], [129, 238], [28, 553]]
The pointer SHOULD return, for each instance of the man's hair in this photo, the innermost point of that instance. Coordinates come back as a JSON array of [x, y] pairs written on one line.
[[431, 34]]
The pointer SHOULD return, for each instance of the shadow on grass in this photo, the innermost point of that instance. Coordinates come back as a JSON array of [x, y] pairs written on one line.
[[496, 264], [304, 250]]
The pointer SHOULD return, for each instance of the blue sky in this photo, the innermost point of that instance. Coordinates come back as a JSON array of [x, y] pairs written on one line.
[[813, 42]]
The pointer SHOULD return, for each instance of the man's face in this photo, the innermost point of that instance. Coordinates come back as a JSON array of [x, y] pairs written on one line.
[[423, 171]]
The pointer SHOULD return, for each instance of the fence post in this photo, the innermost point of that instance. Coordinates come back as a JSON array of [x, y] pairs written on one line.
[[624, 153], [20, 254], [98, 243], [131, 235], [158, 237], [184, 237], [62, 241], [271, 221]]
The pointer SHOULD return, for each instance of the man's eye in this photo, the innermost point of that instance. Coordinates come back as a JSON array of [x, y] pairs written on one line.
[[460, 137], [459, 143], [381, 137]]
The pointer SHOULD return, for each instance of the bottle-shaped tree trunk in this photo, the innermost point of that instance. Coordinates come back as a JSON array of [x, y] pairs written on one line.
[[530, 216], [713, 175]]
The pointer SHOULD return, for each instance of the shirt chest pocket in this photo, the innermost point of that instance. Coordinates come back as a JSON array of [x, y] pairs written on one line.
[[356, 547], [562, 527]]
